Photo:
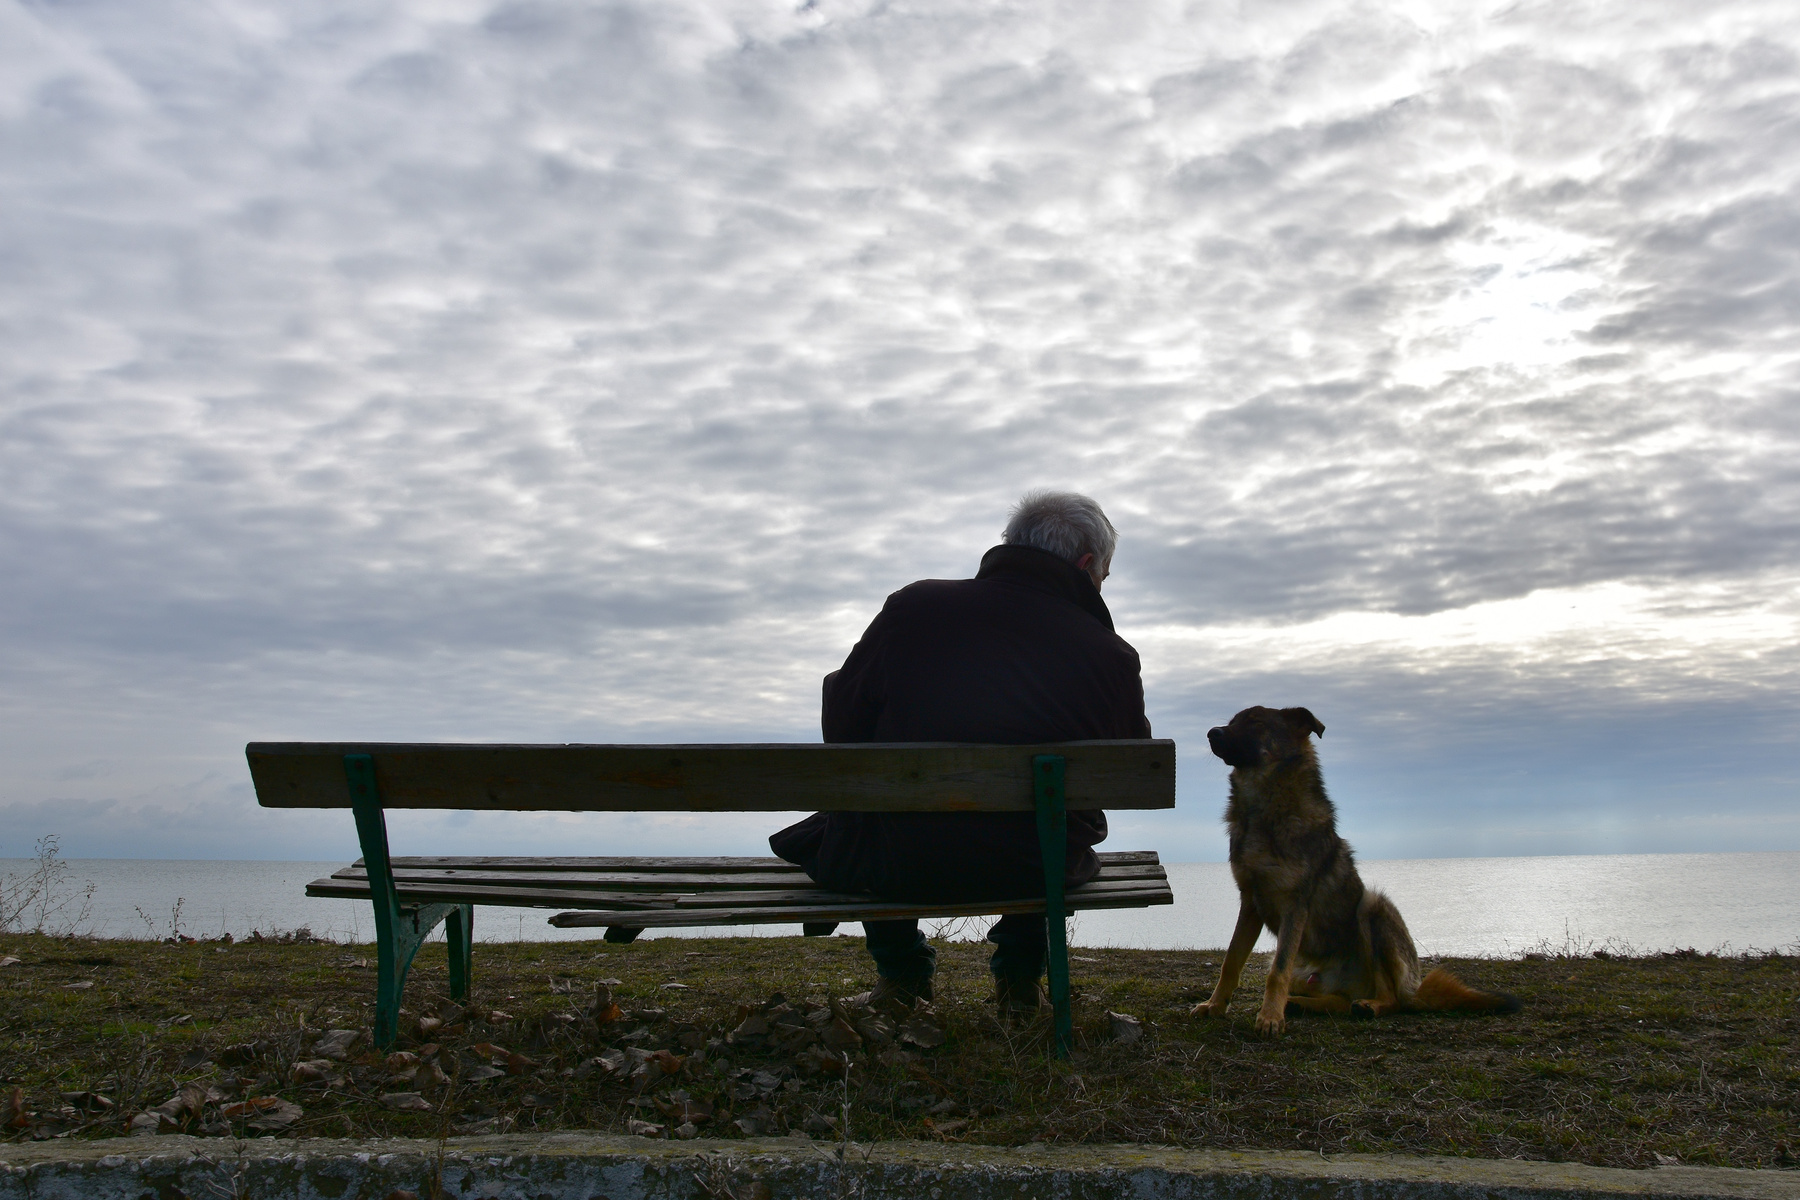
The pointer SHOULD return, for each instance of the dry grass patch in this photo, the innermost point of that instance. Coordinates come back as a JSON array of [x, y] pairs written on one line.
[[1623, 1062]]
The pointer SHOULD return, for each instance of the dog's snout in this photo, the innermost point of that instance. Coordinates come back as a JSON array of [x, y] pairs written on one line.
[[1215, 737]]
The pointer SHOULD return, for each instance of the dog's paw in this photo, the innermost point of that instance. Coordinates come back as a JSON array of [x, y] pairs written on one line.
[[1208, 1008], [1362, 1010], [1270, 1024]]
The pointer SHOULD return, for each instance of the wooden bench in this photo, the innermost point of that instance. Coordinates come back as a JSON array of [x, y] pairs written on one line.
[[624, 896]]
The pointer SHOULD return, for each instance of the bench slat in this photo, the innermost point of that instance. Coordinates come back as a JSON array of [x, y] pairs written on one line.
[[603, 881], [863, 910], [778, 777], [480, 862], [672, 864], [799, 897], [420, 891], [656, 882], [461, 893]]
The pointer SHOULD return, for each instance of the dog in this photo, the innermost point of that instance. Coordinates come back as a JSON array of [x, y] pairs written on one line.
[[1345, 943]]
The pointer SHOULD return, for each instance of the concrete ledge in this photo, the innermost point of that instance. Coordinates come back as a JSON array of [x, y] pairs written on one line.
[[582, 1167]]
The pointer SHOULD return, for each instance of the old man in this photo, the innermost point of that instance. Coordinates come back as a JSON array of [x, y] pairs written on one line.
[[1023, 652]]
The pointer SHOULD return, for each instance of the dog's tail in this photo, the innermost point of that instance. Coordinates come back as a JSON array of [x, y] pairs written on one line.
[[1441, 991]]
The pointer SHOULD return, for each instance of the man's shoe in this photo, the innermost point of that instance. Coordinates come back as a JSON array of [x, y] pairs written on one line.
[[902, 993], [1021, 999]]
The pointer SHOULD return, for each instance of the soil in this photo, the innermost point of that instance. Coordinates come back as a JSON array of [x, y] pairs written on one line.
[[1614, 1061]]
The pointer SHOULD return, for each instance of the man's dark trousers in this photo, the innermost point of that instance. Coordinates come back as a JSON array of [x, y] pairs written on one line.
[[901, 952]]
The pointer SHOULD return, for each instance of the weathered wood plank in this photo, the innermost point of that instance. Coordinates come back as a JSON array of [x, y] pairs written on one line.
[[781, 777], [866, 910], [1089, 895], [676, 864], [660, 881], [417, 893], [598, 863], [809, 896], [599, 881]]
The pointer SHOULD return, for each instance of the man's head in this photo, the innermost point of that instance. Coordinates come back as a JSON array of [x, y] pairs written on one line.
[[1068, 525]]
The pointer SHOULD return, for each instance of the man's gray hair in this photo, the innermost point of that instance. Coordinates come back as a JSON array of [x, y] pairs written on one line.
[[1066, 524]]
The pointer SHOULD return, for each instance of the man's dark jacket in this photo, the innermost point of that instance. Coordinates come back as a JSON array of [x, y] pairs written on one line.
[[1024, 652]]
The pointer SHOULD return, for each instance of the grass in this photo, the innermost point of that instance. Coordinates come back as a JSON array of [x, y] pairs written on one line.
[[1615, 1061]]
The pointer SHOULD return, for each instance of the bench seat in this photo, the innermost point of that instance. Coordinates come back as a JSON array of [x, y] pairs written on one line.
[[645, 893]]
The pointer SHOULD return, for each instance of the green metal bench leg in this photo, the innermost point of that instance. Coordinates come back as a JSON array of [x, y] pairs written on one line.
[[1047, 771], [459, 934], [399, 932]]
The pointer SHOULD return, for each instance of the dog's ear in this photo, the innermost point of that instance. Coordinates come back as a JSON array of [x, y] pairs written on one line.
[[1302, 718]]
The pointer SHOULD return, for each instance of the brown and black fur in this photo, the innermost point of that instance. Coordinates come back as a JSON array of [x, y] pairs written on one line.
[[1339, 947]]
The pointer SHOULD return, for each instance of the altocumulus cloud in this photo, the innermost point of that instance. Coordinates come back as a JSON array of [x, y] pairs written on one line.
[[558, 371]]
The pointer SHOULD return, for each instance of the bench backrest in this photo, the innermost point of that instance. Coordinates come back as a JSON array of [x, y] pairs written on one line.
[[778, 777]]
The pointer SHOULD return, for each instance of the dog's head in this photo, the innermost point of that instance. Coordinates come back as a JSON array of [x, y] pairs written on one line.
[[1259, 736]]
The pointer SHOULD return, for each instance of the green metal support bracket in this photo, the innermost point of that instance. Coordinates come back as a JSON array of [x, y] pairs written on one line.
[[399, 929], [1047, 771]]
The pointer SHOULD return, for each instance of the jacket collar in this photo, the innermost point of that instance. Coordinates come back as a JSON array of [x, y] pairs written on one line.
[[1045, 572]]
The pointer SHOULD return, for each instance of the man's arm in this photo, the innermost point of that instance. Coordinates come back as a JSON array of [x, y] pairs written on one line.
[[853, 694]]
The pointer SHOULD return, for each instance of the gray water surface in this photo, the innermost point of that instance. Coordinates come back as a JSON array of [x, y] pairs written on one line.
[[1454, 906]]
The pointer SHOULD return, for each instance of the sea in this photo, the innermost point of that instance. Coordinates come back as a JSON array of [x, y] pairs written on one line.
[[1485, 907]]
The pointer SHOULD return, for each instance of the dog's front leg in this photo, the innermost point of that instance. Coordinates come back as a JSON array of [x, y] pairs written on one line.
[[1273, 1017], [1243, 940]]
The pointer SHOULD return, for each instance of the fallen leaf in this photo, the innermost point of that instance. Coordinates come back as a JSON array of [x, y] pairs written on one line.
[[406, 1102], [80, 984], [675, 987], [608, 1063], [427, 1077], [1124, 1027], [839, 1036], [477, 1074], [496, 1017], [923, 1031], [875, 1028], [87, 1101], [816, 1060], [337, 1043], [607, 1014], [12, 1111], [147, 1124], [8, 961], [401, 1061], [429, 1026], [249, 1108], [945, 1129], [757, 1123], [752, 1026], [317, 1070], [278, 1115], [643, 1128], [670, 1063]]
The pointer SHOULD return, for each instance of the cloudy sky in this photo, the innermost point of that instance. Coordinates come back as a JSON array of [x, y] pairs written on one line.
[[568, 371]]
